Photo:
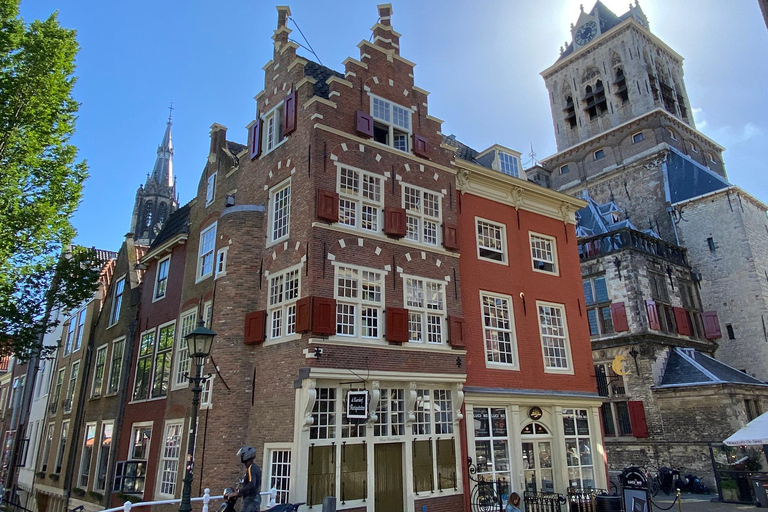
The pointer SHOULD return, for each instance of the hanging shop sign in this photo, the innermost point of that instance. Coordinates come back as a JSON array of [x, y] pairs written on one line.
[[357, 405]]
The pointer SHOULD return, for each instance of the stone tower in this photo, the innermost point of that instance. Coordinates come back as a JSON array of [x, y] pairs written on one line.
[[612, 71], [156, 199]]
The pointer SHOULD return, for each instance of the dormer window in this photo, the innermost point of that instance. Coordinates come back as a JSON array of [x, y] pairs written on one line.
[[392, 123], [615, 216], [508, 164]]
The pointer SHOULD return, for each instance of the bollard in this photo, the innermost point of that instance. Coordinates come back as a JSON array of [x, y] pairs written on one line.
[[206, 499], [127, 506], [679, 501], [329, 504]]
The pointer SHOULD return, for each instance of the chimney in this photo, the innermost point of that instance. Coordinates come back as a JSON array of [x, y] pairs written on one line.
[[218, 138], [282, 32], [383, 33]]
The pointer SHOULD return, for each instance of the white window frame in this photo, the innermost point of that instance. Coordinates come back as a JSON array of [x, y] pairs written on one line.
[[210, 189], [421, 217], [162, 459], [78, 340], [80, 474], [220, 264], [285, 307], [641, 139], [71, 329], [112, 360], [100, 433], [140, 425], [567, 343], [72, 386], [273, 193], [63, 433], [553, 241], [359, 303], [424, 312], [50, 430], [206, 395], [272, 120], [96, 393], [181, 359], [117, 301], [202, 253], [515, 171], [387, 122], [283, 495], [513, 352], [601, 151], [169, 351], [160, 294], [358, 200], [504, 252]]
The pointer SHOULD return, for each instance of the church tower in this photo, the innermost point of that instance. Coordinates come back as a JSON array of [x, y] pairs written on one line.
[[156, 199], [612, 71]]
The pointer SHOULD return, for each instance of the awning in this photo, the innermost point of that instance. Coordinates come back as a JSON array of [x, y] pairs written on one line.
[[753, 433]]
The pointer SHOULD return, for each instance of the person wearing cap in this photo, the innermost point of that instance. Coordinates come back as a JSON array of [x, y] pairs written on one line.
[[251, 482]]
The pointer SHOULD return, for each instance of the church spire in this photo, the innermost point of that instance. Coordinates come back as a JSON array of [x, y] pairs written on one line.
[[162, 174]]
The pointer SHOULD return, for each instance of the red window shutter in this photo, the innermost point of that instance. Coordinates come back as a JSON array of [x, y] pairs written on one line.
[[255, 142], [394, 221], [619, 316], [420, 146], [637, 419], [364, 124], [255, 327], [653, 315], [304, 314], [450, 236], [682, 321], [397, 325], [289, 114], [456, 332], [323, 316], [711, 325], [327, 207]]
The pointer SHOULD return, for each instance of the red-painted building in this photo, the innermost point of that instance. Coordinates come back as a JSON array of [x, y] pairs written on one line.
[[531, 405]]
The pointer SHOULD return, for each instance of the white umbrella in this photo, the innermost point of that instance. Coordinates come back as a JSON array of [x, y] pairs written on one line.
[[753, 433]]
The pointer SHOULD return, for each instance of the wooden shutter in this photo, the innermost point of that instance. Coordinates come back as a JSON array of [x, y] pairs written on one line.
[[450, 236], [456, 332], [619, 316], [304, 314], [397, 325], [323, 316], [364, 124], [255, 327], [394, 221], [327, 207], [682, 321], [255, 139], [711, 325], [637, 419], [420, 146], [653, 315], [289, 114]]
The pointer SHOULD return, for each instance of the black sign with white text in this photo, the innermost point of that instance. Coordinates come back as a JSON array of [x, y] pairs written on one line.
[[357, 405]]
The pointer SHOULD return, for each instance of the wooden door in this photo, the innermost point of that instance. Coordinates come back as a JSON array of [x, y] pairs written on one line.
[[388, 473]]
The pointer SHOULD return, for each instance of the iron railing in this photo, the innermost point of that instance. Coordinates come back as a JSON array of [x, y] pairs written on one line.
[[583, 500], [543, 501], [629, 239]]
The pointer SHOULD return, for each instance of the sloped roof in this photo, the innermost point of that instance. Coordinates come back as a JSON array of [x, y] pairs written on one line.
[[607, 20], [321, 74], [686, 367], [178, 222], [597, 219], [686, 178], [462, 150], [235, 147]]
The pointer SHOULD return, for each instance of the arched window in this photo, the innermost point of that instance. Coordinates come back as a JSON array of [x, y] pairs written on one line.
[[161, 212], [148, 213], [570, 112], [534, 428], [621, 85]]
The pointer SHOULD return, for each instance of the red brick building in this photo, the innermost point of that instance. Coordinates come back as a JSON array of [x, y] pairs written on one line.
[[530, 391]]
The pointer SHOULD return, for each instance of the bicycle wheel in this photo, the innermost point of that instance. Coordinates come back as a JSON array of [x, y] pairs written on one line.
[[653, 486]]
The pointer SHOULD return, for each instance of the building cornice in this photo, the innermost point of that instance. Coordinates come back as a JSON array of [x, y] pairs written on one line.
[[520, 194], [161, 250], [342, 373], [732, 188]]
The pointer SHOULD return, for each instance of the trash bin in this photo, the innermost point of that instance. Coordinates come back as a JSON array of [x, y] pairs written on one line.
[[606, 503], [760, 486]]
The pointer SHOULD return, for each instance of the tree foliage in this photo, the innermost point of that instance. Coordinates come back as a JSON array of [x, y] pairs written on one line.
[[40, 180]]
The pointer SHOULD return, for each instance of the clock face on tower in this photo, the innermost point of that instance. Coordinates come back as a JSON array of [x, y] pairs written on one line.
[[586, 33]]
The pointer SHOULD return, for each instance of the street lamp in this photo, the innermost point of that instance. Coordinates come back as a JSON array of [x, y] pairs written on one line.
[[199, 344]]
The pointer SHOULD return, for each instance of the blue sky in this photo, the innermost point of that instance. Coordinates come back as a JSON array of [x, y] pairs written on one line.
[[480, 63]]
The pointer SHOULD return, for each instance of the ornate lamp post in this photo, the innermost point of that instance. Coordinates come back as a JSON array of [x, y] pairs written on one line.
[[199, 344]]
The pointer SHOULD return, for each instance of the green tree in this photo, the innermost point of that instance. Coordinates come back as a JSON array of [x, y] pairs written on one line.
[[40, 180]]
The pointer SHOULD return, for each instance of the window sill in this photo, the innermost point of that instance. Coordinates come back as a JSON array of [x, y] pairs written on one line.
[[491, 260], [385, 239], [502, 366], [278, 241], [203, 278], [147, 400], [282, 339], [555, 273], [157, 299], [266, 152], [408, 346], [558, 371]]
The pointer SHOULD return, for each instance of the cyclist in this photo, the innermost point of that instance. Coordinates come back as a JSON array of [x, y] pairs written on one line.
[[251, 483]]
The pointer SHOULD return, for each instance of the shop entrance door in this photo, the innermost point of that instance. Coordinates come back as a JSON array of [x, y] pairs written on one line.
[[388, 470], [537, 458]]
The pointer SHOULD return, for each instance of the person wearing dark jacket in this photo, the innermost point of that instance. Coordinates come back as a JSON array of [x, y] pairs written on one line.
[[251, 484]]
